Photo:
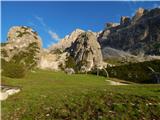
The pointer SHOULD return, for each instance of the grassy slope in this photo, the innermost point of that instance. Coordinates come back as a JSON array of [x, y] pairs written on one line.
[[44, 91], [46, 86]]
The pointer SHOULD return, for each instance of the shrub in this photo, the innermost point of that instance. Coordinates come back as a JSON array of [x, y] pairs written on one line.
[[13, 70], [4, 53], [3, 44], [70, 63], [135, 72]]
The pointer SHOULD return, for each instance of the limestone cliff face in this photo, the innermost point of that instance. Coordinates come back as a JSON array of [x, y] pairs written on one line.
[[52, 61], [55, 56], [58, 54], [86, 51], [23, 46], [141, 34], [67, 41]]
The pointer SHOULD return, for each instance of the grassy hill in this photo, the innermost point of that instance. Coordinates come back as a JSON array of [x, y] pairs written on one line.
[[47, 95]]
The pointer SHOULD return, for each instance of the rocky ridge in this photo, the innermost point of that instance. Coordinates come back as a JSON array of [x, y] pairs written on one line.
[[132, 40], [140, 34]]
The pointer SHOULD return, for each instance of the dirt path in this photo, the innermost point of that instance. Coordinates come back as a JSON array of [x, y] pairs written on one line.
[[115, 83]]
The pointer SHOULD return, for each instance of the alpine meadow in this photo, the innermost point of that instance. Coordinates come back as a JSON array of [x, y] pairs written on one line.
[[80, 60]]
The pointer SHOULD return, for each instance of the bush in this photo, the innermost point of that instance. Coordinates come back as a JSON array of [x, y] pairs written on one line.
[[13, 70], [3, 44], [135, 72], [70, 63], [22, 62]]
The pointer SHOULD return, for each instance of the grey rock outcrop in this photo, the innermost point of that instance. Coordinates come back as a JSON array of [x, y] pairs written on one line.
[[142, 35], [86, 51], [23, 46], [119, 57], [125, 20], [139, 13], [110, 24], [66, 42], [69, 71]]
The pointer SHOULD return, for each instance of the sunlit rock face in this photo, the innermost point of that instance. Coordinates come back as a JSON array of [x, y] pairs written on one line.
[[125, 20], [139, 13], [58, 53], [140, 34], [22, 36], [110, 24], [86, 51], [66, 41], [23, 46], [52, 61]]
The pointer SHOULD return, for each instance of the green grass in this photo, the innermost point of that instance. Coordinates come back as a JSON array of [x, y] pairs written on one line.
[[48, 95]]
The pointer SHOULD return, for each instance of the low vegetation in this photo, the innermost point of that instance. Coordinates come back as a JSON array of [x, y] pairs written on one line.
[[20, 63], [70, 63], [13, 70], [3, 44], [136, 72], [49, 95]]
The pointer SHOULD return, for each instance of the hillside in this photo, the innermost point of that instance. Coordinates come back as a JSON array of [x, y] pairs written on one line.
[[56, 95], [140, 34]]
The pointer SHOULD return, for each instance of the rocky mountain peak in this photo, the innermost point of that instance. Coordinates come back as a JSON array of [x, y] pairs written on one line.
[[86, 51], [77, 31], [66, 41], [22, 36], [23, 46], [139, 13], [140, 36], [125, 20]]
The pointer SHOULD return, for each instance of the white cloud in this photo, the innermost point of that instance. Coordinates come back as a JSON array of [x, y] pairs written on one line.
[[47, 29], [40, 19], [54, 35]]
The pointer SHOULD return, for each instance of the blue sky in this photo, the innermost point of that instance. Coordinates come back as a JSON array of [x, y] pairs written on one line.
[[53, 20]]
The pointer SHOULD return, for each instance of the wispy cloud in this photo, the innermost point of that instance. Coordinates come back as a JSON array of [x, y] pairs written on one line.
[[40, 19], [55, 37]]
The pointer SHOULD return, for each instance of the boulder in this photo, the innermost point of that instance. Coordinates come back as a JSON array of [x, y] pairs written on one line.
[[69, 71]]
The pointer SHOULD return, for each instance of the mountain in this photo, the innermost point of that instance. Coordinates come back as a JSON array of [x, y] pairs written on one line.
[[86, 51], [55, 56], [135, 39], [136, 35], [23, 46], [66, 41], [53, 61]]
